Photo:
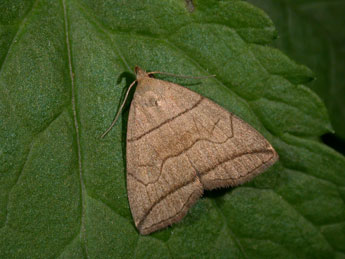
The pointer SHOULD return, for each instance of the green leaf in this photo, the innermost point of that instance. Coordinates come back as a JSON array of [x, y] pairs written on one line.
[[64, 67], [310, 31]]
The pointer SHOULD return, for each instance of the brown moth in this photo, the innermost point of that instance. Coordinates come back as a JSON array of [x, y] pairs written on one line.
[[180, 144]]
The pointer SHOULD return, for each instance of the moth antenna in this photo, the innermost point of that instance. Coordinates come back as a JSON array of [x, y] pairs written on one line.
[[182, 76], [120, 110]]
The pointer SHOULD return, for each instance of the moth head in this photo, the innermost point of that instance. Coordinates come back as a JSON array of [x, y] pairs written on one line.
[[140, 73]]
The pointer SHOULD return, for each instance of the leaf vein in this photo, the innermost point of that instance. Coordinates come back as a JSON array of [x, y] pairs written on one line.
[[76, 127]]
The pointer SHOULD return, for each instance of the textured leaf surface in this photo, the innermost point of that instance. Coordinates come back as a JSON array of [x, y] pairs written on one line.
[[311, 32], [64, 68]]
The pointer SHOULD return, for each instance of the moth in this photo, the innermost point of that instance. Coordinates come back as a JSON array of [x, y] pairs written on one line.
[[179, 144]]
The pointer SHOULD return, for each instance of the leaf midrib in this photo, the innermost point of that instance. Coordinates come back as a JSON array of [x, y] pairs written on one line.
[[82, 231]]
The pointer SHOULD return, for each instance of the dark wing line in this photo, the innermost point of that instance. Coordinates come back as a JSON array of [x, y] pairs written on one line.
[[172, 156], [194, 179], [197, 176], [196, 171], [222, 182], [239, 155], [185, 150], [166, 121], [182, 210]]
